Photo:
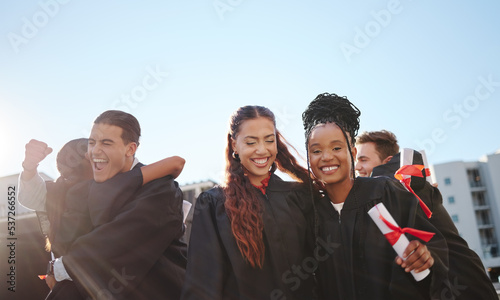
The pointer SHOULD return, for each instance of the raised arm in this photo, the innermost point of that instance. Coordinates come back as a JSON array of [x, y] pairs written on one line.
[[32, 191], [168, 166], [35, 152]]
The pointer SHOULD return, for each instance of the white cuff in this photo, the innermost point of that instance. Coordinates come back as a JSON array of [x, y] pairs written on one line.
[[60, 273]]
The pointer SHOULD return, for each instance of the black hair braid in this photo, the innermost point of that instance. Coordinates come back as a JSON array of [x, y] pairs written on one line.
[[331, 108], [315, 211]]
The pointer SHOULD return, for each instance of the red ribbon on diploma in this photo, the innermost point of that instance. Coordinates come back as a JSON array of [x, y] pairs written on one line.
[[42, 277], [412, 170], [396, 232]]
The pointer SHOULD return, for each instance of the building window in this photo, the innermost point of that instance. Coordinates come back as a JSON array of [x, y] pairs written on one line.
[[489, 242], [479, 199], [483, 218], [447, 181], [474, 178], [451, 200], [454, 218]]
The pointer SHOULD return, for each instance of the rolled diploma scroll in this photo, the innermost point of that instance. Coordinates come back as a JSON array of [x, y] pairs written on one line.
[[402, 242], [426, 165], [186, 206]]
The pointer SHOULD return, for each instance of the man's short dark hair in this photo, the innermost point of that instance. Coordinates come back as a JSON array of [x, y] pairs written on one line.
[[127, 122], [385, 142]]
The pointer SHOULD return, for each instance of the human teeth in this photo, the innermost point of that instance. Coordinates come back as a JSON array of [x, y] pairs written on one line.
[[99, 160], [260, 161], [326, 169]]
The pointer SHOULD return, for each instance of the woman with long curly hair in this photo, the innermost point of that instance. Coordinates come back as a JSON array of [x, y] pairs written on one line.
[[249, 236]]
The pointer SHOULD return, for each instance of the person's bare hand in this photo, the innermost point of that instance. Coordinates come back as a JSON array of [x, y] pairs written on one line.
[[418, 257], [50, 280], [35, 152]]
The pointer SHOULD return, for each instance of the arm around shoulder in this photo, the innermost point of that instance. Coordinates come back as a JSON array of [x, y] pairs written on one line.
[[168, 166]]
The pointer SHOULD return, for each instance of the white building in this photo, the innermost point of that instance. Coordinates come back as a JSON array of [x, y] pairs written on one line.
[[191, 191], [471, 195]]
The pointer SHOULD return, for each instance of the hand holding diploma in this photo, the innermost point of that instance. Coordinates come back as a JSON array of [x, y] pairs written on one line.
[[417, 258], [414, 256]]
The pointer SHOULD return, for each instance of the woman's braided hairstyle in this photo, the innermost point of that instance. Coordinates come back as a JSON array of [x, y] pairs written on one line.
[[331, 108]]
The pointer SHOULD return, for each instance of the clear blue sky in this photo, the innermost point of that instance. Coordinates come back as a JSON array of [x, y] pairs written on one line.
[[428, 71]]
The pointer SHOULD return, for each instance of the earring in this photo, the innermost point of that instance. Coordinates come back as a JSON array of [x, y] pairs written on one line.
[[236, 156]]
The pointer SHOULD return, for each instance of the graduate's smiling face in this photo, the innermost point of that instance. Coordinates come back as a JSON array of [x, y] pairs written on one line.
[[256, 146], [329, 156], [108, 153]]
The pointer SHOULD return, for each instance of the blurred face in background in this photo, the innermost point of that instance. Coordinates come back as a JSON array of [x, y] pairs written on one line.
[[367, 159]]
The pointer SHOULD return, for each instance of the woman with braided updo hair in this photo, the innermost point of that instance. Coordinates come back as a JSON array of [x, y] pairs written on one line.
[[249, 235], [364, 264]]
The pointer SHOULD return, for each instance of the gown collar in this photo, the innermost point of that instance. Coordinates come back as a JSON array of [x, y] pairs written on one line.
[[264, 184]]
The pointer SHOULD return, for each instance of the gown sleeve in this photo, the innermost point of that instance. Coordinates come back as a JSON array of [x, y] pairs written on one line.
[[411, 215], [207, 268], [32, 193]]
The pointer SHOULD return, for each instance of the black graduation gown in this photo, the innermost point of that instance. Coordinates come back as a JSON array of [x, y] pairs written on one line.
[[54, 205], [360, 264], [216, 269], [467, 274], [133, 249], [75, 220]]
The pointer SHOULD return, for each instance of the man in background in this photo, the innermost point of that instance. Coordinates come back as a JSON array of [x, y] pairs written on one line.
[[378, 156], [375, 148]]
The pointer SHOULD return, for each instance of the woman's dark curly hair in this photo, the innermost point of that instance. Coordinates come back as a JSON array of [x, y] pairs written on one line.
[[331, 108], [71, 165]]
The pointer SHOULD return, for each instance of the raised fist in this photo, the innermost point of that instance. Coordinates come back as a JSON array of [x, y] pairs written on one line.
[[36, 151]]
